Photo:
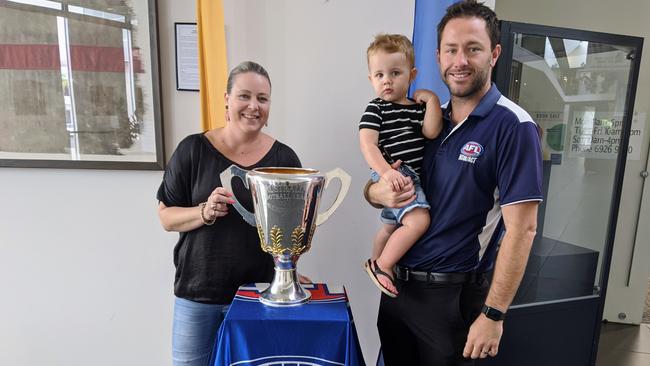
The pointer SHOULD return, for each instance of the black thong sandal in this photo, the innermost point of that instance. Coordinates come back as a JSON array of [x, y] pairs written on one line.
[[373, 273]]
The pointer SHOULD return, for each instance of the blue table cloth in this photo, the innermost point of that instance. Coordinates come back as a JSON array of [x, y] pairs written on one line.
[[320, 332]]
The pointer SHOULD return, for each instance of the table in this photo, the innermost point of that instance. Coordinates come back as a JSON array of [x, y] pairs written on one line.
[[320, 332]]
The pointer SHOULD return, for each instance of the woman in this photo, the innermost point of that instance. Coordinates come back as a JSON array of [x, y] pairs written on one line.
[[217, 252]]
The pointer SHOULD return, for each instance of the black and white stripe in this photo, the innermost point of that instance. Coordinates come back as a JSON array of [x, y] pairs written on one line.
[[400, 130]]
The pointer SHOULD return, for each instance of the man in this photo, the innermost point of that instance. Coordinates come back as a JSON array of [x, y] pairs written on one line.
[[481, 175]]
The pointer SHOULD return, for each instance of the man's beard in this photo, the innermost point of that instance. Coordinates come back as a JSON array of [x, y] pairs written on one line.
[[480, 77]]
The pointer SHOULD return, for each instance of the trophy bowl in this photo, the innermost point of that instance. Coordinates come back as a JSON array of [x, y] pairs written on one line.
[[285, 202]]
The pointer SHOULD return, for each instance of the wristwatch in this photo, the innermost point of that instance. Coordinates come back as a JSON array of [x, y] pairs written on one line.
[[492, 313]]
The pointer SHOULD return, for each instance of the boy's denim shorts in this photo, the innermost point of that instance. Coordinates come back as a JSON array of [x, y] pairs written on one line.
[[393, 216]]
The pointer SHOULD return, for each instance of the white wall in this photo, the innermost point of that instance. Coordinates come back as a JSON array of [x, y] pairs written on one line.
[[315, 53], [87, 269]]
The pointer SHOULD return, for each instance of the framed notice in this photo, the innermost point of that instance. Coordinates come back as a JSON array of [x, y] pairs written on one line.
[[82, 90], [187, 56]]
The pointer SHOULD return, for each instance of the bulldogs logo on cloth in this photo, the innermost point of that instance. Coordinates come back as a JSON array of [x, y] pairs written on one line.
[[287, 361], [470, 152]]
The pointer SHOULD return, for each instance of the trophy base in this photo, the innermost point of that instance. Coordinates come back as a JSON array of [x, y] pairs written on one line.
[[285, 290]]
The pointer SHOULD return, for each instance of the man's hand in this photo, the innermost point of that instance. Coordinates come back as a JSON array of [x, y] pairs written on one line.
[[483, 338], [381, 193]]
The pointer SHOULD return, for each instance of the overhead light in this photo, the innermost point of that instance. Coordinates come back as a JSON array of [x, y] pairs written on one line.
[[549, 55], [576, 52]]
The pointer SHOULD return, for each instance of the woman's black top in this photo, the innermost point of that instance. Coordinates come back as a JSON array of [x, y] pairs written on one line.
[[213, 261]]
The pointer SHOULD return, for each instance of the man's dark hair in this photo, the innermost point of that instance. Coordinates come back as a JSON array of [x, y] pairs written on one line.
[[470, 9]]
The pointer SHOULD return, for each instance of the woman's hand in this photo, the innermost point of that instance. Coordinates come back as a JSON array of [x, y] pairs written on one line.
[[304, 279], [184, 219], [217, 204]]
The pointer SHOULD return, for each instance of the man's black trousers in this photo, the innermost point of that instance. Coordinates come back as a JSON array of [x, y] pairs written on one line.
[[427, 324]]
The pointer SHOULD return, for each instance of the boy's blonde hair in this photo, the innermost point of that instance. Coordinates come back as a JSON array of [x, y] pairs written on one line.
[[392, 43]]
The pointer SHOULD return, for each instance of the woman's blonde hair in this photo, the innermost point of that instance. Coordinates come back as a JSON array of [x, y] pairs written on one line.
[[244, 67]]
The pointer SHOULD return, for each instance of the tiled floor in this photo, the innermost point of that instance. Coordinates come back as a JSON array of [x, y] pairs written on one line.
[[624, 345]]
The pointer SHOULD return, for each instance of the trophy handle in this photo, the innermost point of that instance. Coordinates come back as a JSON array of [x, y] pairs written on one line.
[[226, 179], [345, 185]]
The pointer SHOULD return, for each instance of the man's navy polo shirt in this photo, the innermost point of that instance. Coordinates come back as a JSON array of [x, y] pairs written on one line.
[[490, 160]]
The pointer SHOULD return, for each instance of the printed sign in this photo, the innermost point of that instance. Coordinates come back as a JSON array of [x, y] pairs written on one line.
[[597, 135]]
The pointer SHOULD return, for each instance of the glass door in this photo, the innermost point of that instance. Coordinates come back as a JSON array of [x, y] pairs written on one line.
[[579, 87]]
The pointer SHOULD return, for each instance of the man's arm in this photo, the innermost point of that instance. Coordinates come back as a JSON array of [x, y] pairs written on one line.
[[521, 224]]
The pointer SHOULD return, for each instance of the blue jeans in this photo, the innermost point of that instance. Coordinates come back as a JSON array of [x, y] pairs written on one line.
[[393, 216], [195, 331]]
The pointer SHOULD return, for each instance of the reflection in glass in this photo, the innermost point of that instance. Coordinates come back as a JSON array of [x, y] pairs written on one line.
[[575, 90], [76, 85]]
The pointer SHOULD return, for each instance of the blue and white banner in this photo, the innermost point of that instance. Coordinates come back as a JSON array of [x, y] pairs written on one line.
[[425, 41], [319, 333]]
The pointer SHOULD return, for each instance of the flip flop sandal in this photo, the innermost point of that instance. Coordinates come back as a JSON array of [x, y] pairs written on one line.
[[373, 273]]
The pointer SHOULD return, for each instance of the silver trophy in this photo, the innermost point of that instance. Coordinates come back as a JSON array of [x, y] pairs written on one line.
[[286, 216]]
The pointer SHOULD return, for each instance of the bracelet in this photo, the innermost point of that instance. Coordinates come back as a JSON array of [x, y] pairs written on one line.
[[205, 221]]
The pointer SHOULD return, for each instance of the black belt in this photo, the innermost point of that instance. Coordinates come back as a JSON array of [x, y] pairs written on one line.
[[406, 274]]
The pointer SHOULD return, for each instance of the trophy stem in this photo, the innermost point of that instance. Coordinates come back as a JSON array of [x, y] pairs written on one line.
[[285, 290]]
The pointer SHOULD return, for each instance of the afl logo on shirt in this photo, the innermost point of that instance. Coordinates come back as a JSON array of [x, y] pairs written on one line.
[[470, 152]]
